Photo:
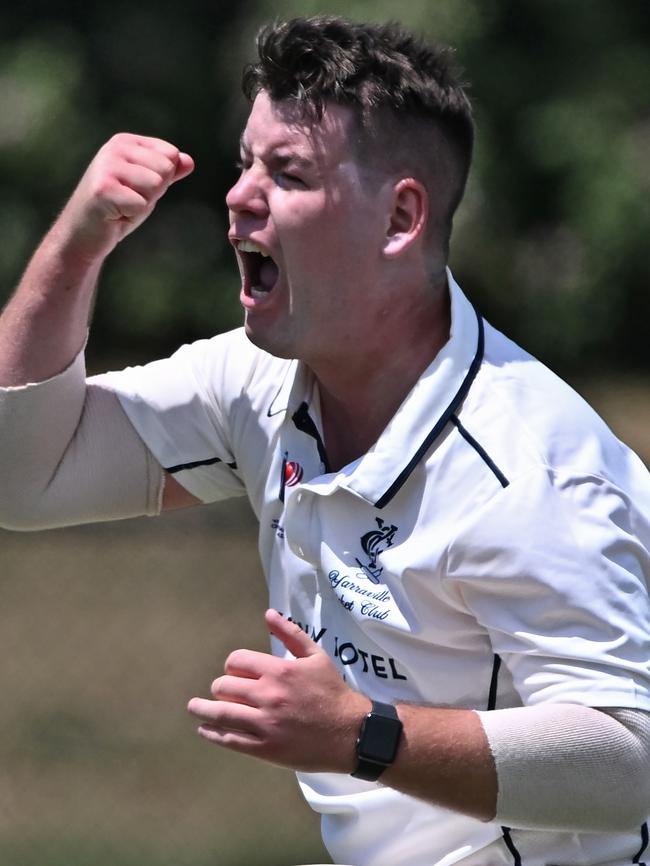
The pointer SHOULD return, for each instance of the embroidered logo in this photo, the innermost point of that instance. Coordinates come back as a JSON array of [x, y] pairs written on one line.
[[373, 543], [291, 473]]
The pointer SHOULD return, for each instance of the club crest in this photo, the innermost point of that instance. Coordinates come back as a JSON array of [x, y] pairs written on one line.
[[373, 543]]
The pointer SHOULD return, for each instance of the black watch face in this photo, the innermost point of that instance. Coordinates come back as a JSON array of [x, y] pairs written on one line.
[[379, 740]]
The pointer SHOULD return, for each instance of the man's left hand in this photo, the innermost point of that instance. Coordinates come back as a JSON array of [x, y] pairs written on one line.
[[297, 713]]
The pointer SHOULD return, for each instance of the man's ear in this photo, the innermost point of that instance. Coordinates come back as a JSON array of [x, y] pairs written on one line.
[[408, 217]]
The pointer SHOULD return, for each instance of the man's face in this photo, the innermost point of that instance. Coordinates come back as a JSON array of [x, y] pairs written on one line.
[[302, 203]]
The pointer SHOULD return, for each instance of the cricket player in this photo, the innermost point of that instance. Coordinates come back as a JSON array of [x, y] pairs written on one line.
[[456, 546]]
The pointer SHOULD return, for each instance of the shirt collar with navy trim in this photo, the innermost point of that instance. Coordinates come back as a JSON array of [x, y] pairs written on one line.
[[379, 474]]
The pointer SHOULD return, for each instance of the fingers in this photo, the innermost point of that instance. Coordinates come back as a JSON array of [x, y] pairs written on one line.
[[147, 182], [236, 741], [184, 166], [147, 166], [251, 664], [226, 716], [233, 726], [281, 709], [149, 147], [235, 689], [292, 636], [158, 155], [120, 189]]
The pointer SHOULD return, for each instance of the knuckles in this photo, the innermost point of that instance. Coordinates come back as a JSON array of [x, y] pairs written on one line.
[[127, 148], [285, 671]]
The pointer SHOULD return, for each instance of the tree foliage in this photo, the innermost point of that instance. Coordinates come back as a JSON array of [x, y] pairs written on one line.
[[552, 237]]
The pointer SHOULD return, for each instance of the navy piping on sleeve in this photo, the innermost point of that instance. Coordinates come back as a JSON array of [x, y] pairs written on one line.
[[492, 701], [494, 682], [516, 856], [644, 845], [209, 462], [510, 845], [442, 421], [503, 481]]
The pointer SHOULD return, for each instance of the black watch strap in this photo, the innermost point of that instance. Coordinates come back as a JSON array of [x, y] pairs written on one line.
[[379, 737]]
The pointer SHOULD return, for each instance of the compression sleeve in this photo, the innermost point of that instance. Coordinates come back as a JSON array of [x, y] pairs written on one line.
[[69, 454], [566, 766]]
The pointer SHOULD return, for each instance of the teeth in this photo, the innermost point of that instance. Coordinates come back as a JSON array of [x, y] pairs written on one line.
[[250, 247]]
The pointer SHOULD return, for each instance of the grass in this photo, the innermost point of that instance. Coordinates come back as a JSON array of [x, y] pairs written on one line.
[[105, 633]]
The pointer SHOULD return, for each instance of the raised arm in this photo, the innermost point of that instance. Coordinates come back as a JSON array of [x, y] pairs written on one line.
[[44, 324], [68, 454]]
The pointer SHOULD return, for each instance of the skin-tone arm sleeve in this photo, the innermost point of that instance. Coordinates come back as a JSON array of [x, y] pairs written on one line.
[[563, 766], [552, 759], [69, 454]]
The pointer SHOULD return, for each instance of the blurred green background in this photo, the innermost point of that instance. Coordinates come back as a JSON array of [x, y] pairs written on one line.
[[106, 631]]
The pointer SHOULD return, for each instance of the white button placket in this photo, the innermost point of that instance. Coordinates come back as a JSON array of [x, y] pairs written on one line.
[[302, 525]]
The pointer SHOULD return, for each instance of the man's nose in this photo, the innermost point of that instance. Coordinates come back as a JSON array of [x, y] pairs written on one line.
[[246, 196]]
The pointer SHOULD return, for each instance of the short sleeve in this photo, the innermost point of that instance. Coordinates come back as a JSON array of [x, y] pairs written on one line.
[[180, 408], [556, 569]]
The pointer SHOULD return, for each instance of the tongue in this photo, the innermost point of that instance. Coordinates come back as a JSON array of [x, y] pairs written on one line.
[[268, 274]]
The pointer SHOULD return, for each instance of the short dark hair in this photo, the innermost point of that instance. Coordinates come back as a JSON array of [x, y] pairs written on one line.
[[407, 95]]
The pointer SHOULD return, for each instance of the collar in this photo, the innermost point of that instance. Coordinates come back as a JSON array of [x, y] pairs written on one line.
[[379, 475], [295, 388]]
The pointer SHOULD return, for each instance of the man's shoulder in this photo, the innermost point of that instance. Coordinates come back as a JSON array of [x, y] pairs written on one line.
[[214, 372], [234, 344], [229, 361], [532, 416]]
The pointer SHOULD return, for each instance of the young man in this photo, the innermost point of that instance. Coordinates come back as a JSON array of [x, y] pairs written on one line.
[[456, 546]]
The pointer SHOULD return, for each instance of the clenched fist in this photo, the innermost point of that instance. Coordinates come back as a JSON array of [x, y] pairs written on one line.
[[118, 191]]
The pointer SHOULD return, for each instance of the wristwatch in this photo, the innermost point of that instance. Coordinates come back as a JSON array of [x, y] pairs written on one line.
[[379, 738]]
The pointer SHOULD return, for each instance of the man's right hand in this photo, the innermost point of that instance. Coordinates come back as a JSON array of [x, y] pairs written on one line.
[[117, 193], [45, 323]]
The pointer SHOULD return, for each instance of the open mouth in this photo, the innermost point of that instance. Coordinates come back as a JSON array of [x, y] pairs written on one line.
[[260, 271]]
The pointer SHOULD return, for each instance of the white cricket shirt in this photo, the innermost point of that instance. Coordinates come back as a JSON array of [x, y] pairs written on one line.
[[490, 550]]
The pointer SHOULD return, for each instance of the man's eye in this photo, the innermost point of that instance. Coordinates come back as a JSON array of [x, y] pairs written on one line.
[[285, 178]]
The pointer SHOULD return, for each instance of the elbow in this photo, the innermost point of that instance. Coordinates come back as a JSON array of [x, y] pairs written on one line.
[[25, 511], [17, 519], [624, 803], [621, 817], [607, 810]]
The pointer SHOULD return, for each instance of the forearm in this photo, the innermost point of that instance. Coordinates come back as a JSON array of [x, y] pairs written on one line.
[[444, 758], [550, 766], [570, 767], [69, 454], [300, 713], [559, 766], [44, 325]]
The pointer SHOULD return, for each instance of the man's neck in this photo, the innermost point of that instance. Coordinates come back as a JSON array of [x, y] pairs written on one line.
[[359, 395]]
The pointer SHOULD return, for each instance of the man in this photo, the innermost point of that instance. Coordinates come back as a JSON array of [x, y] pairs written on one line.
[[456, 546]]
